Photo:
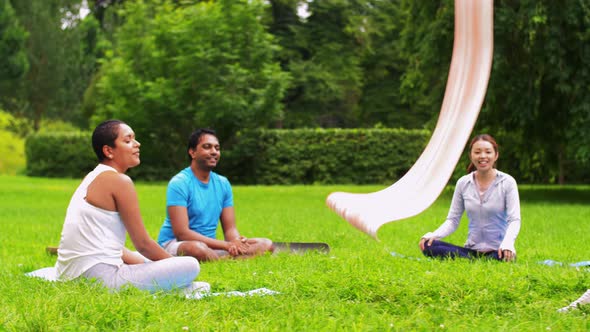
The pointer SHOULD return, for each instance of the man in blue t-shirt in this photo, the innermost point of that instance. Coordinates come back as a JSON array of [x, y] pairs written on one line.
[[196, 200]]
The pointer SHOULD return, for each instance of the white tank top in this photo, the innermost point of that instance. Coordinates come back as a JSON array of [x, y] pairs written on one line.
[[90, 235]]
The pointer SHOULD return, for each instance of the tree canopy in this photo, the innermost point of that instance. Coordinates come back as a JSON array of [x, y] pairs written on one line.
[[13, 57], [168, 66], [174, 68]]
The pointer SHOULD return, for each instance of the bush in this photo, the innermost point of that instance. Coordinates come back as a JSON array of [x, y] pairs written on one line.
[[12, 160], [12, 150], [55, 125], [306, 156], [267, 156], [300, 156], [70, 155], [18, 126], [60, 154]]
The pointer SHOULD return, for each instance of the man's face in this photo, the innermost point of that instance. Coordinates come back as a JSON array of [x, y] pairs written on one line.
[[206, 154]]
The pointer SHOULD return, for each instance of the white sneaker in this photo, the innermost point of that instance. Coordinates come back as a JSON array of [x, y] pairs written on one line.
[[584, 299]]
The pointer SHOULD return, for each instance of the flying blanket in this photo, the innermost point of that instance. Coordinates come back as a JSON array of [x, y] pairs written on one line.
[[465, 91]]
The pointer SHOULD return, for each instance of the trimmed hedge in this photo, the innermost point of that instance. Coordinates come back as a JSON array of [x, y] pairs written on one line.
[[60, 154], [299, 156], [327, 156], [277, 156]]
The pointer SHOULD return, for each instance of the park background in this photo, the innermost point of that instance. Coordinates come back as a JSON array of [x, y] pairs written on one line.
[[168, 67], [308, 97]]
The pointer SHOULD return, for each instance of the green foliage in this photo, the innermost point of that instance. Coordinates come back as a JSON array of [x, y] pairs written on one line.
[[359, 286], [12, 153], [41, 150], [176, 68], [13, 58], [300, 156], [12, 156], [62, 54], [427, 43], [383, 66], [406, 69], [52, 126], [325, 55], [539, 87], [59, 154], [17, 126], [305, 156], [171, 66], [359, 63], [12, 144], [88, 46], [41, 19]]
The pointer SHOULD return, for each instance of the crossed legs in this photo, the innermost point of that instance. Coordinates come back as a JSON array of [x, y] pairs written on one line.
[[440, 249], [202, 252]]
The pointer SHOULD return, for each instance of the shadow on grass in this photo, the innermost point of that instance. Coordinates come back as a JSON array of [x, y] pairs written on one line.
[[555, 195]]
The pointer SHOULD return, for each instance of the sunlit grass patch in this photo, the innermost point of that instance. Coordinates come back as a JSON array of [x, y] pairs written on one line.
[[359, 285]]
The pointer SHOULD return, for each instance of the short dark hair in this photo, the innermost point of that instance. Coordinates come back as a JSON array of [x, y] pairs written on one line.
[[105, 134], [195, 137]]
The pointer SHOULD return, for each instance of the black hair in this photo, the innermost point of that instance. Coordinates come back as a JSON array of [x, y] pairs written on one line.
[[105, 134], [195, 137]]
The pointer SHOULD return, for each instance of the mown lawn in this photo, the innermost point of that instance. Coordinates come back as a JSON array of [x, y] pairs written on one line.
[[360, 285]]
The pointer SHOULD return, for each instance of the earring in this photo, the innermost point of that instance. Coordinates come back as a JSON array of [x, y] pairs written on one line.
[[110, 156]]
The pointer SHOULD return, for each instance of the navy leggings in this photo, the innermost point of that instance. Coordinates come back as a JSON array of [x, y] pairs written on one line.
[[440, 249]]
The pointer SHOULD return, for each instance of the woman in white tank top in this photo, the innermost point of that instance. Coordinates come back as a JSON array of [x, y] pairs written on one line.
[[102, 210]]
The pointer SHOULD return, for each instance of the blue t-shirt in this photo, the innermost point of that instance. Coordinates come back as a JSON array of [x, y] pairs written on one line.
[[204, 202]]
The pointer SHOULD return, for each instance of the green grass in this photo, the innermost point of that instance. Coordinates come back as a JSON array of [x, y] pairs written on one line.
[[358, 286]]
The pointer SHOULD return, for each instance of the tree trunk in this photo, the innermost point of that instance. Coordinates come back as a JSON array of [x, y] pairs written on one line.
[[561, 165], [37, 116]]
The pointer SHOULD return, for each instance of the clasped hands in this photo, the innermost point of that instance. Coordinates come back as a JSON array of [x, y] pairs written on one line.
[[238, 246]]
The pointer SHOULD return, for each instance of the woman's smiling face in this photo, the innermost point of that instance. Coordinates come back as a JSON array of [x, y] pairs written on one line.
[[483, 155]]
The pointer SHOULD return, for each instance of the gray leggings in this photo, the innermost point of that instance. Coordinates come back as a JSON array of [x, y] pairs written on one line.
[[165, 274]]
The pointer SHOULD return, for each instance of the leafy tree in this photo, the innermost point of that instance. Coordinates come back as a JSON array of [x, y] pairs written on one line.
[[13, 57], [87, 46], [283, 21], [42, 21], [394, 94], [52, 87], [362, 63], [426, 45], [100, 8], [539, 93], [537, 102], [178, 67], [325, 53]]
